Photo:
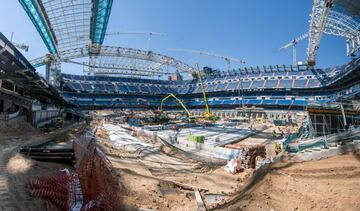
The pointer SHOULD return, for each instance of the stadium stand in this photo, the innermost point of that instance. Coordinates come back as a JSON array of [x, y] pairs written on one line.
[[277, 86]]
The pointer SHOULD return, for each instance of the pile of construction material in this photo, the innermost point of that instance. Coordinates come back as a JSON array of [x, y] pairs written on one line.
[[50, 151], [54, 124], [249, 154]]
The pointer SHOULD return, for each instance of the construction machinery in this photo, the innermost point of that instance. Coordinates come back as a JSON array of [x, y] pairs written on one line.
[[227, 59], [190, 117], [293, 43], [208, 115], [20, 46]]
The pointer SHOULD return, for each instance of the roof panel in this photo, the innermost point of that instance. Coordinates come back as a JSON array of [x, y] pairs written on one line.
[[70, 21]]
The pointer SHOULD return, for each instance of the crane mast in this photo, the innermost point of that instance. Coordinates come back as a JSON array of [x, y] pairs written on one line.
[[293, 44], [208, 114]]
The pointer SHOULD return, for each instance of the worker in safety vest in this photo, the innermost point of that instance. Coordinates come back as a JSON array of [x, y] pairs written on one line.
[[278, 148]]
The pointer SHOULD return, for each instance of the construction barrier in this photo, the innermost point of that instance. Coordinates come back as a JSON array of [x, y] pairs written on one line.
[[91, 186]]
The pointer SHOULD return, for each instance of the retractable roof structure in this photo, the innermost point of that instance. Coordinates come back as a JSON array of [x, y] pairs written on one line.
[[74, 32]]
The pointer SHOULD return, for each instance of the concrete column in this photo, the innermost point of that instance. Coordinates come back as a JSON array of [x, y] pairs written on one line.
[[47, 72], [1, 106], [0, 83], [14, 87]]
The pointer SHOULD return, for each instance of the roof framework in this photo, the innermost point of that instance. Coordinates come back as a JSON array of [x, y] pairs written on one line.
[[70, 21], [74, 29], [334, 17], [65, 24], [118, 60]]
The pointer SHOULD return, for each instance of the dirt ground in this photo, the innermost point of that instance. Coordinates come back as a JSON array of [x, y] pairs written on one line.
[[16, 170], [152, 181], [162, 178], [328, 184], [314, 185]]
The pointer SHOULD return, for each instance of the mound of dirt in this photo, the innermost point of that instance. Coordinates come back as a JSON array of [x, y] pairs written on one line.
[[16, 126], [329, 184]]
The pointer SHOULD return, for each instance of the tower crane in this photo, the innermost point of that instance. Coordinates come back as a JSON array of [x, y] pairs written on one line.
[[208, 115], [21, 46], [293, 43], [149, 34], [227, 59]]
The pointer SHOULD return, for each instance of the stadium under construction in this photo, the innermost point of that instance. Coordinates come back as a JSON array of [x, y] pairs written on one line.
[[141, 130]]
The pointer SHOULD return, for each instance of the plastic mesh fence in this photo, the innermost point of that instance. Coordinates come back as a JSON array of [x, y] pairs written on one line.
[[91, 186]]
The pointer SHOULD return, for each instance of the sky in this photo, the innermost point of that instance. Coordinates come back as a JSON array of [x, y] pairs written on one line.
[[251, 30]]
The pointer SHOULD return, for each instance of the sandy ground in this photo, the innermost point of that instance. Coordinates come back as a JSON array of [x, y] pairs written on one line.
[[329, 184], [314, 185], [16, 170], [148, 182], [163, 179]]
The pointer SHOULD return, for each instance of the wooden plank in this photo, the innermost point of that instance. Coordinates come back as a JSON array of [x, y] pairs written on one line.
[[200, 202], [185, 186]]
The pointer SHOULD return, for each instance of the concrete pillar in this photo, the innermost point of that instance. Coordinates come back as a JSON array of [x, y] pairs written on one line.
[[14, 87], [1, 106], [47, 72], [0, 83]]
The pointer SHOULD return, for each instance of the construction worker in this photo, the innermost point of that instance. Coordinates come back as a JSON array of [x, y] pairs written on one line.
[[278, 148]]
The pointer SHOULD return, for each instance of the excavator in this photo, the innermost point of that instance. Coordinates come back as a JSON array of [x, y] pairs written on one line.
[[208, 115], [190, 117]]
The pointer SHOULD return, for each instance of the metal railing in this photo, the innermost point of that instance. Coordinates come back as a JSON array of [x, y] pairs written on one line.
[[8, 116]]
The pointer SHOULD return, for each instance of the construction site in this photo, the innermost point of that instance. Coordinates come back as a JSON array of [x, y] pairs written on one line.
[[140, 130]]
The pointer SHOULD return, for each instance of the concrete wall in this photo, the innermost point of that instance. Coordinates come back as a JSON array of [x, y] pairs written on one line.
[[7, 105], [42, 117], [250, 113], [210, 153]]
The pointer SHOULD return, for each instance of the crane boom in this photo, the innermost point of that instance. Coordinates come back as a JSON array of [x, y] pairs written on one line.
[[203, 89], [294, 41], [135, 33], [208, 54], [21, 46], [208, 115], [149, 34], [227, 59], [179, 101]]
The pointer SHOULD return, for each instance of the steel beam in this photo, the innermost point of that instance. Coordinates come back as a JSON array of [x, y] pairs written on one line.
[[36, 13], [319, 14], [109, 51], [99, 19]]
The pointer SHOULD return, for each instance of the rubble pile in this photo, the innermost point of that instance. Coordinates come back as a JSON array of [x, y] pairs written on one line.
[[249, 154]]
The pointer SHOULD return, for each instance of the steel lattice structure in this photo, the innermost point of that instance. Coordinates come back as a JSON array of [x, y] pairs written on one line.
[[74, 29], [117, 60], [334, 17]]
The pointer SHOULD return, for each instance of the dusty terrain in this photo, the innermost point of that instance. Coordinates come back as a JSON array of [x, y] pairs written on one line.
[[329, 184], [148, 182], [16, 170], [161, 178], [165, 179]]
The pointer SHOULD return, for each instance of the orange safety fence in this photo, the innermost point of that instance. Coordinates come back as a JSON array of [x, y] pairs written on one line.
[[91, 186]]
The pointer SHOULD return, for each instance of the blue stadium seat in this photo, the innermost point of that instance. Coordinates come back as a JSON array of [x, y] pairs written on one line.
[[285, 83], [269, 102], [300, 102], [271, 83], [300, 83], [254, 102], [284, 102], [257, 84]]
